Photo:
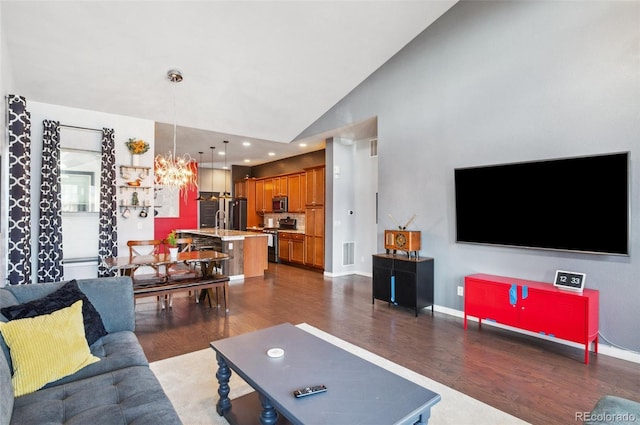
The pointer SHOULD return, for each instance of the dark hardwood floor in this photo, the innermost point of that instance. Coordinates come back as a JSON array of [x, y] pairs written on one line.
[[538, 381]]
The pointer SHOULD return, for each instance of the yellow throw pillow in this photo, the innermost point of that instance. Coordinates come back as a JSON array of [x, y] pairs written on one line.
[[46, 348]]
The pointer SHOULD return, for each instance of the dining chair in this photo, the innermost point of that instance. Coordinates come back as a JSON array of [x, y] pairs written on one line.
[[180, 271], [146, 275]]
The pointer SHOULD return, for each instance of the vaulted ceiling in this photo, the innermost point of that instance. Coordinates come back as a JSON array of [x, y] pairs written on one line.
[[254, 71]]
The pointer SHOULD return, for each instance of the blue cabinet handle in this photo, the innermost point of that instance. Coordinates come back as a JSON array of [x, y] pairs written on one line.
[[393, 289], [513, 294]]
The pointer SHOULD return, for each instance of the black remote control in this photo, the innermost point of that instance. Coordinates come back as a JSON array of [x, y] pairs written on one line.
[[302, 392]]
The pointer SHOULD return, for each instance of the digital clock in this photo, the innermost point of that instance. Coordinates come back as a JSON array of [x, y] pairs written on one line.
[[572, 281]]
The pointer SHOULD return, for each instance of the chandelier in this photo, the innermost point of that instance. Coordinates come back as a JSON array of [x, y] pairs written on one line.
[[172, 171]]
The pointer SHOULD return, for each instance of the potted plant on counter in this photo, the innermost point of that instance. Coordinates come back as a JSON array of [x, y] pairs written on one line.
[[173, 244]]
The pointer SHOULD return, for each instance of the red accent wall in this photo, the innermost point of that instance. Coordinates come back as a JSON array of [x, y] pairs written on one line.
[[188, 218]]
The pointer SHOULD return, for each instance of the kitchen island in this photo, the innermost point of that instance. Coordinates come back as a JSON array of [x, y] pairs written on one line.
[[247, 251]]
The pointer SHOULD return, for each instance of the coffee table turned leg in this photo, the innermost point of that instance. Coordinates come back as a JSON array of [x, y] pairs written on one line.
[[269, 415], [223, 375]]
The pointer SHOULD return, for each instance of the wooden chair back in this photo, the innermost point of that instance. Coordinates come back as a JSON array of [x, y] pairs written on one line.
[[183, 244], [145, 247], [179, 270]]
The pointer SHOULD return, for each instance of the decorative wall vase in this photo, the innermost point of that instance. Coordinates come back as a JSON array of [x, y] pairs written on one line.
[[173, 253], [135, 160]]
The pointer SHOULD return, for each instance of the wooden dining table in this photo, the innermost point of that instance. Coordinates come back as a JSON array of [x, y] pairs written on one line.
[[207, 259]]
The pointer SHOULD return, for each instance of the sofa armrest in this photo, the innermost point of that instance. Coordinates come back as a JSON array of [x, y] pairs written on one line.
[[113, 298]]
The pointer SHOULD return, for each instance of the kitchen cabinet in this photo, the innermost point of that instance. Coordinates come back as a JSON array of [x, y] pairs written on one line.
[[280, 186], [240, 189], [403, 281], [246, 188], [314, 237], [315, 185], [537, 307], [260, 205], [296, 188], [291, 247], [268, 194]]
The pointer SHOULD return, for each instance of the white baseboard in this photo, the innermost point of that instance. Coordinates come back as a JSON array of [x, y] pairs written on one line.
[[603, 348]]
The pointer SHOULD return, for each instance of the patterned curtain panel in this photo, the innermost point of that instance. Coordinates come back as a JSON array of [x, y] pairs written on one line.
[[108, 237], [19, 229], [50, 237]]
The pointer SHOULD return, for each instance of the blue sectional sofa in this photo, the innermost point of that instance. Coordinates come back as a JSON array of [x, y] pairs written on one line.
[[117, 387]]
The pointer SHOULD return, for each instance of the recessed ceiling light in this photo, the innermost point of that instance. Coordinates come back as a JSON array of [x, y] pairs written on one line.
[[247, 160], [303, 145], [221, 153], [246, 143], [271, 154]]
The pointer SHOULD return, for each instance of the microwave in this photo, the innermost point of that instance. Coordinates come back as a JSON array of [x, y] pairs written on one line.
[[279, 204]]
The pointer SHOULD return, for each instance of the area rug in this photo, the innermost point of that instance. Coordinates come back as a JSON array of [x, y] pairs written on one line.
[[189, 381]]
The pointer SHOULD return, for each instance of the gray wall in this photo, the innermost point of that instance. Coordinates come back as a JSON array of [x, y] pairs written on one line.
[[493, 82]]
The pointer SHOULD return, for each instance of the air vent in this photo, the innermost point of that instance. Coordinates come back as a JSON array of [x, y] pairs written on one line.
[[373, 148], [348, 253]]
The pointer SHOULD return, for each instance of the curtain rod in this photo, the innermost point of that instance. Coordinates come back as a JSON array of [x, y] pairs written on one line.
[[81, 128]]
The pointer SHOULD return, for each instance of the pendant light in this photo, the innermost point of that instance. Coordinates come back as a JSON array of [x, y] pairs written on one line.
[[200, 198], [173, 171], [213, 195], [226, 194]]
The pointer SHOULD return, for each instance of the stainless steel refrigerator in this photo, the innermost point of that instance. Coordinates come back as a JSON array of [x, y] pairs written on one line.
[[239, 214]]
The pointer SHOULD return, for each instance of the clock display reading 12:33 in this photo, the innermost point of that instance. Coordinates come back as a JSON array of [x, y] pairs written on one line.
[[569, 280]]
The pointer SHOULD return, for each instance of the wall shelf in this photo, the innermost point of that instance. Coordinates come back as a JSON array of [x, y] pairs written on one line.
[[124, 168], [134, 188]]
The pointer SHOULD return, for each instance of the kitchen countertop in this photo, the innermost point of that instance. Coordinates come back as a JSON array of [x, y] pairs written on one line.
[[260, 229], [224, 234]]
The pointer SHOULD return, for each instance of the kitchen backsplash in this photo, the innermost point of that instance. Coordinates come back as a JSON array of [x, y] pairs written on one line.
[[276, 216]]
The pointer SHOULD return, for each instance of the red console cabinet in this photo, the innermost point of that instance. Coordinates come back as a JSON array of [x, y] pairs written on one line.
[[534, 306]]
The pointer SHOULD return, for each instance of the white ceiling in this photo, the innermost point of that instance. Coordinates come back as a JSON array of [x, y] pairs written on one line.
[[260, 71]]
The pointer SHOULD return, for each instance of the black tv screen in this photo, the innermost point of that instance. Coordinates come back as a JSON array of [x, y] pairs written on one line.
[[570, 204]]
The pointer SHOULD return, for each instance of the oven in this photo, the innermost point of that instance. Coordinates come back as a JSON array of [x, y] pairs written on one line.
[[272, 245]]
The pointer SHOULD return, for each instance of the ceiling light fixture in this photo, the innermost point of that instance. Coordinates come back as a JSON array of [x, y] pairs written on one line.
[[226, 194], [213, 195], [200, 198], [172, 171]]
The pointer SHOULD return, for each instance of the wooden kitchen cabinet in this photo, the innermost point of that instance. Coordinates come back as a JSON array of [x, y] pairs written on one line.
[[261, 205], [291, 247], [296, 190], [280, 186], [315, 185], [253, 219], [240, 189], [268, 194], [314, 237]]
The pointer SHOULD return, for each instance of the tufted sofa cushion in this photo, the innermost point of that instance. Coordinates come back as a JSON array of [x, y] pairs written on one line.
[[124, 396], [116, 351]]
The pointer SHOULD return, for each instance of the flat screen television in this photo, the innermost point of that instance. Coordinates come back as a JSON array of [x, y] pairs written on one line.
[[570, 204]]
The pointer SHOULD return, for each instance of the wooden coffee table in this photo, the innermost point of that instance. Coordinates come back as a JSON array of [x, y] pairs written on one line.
[[358, 391]]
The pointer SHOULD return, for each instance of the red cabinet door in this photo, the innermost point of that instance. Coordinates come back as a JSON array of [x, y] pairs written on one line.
[[489, 301], [555, 314]]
